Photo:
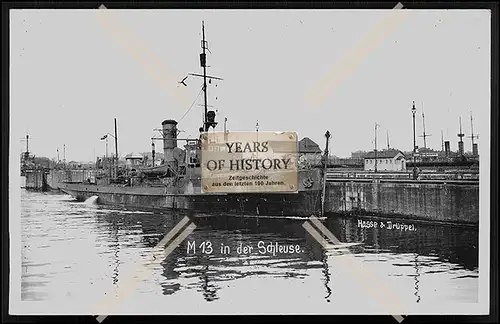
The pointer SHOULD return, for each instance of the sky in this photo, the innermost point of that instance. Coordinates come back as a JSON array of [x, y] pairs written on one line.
[[73, 71]]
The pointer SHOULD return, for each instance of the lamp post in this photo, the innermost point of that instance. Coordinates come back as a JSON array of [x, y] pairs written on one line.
[[325, 168], [413, 111], [153, 152]]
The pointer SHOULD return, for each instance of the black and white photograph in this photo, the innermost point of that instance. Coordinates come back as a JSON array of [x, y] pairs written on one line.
[[218, 161]]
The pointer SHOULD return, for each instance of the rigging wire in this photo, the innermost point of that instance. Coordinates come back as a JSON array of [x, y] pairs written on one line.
[[187, 111]]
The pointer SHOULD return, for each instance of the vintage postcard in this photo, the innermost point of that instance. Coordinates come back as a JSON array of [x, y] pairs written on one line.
[[249, 162]]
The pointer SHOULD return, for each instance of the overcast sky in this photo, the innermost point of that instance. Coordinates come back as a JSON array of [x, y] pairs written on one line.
[[73, 71]]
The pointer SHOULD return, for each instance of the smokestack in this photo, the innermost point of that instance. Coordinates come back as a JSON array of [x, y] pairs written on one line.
[[169, 141], [447, 148], [474, 149]]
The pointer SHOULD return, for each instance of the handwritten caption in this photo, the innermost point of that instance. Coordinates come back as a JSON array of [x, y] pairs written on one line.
[[262, 248], [394, 226]]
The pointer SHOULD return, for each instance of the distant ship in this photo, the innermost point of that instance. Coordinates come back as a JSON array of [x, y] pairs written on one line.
[[176, 183], [33, 175]]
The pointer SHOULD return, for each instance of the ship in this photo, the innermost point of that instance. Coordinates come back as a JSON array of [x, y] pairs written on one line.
[[176, 184], [34, 170]]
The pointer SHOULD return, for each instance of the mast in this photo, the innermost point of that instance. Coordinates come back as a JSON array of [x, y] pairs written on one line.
[[472, 130], [208, 116], [473, 136], [442, 141], [460, 136], [203, 61], [376, 125], [116, 152], [413, 112], [424, 134]]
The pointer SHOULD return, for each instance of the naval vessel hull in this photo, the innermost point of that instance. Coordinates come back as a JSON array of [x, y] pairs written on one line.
[[302, 204]]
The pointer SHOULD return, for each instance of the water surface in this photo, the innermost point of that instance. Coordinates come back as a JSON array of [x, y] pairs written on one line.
[[81, 252]]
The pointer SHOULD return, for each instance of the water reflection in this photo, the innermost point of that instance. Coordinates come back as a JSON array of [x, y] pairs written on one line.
[[457, 245], [417, 275], [440, 243], [326, 281], [116, 237]]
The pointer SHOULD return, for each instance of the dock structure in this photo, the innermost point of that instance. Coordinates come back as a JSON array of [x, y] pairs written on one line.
[[453, 202]]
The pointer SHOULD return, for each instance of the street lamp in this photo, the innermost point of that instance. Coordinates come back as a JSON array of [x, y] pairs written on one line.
[[153, 152], [325, 168], [413, 111]]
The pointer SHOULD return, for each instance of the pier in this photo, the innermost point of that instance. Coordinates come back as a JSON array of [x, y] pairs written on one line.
[[454, 201]]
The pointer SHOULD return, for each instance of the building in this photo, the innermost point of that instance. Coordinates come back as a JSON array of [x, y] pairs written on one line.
[[358, 155], [308, 146], [309, 153], [386, 160]]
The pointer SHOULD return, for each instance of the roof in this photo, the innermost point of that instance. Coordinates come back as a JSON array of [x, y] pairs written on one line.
[[134, 156], [385, 154], [307, 145]]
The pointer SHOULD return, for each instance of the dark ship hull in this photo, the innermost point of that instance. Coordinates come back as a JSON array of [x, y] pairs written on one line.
[[302, 204]]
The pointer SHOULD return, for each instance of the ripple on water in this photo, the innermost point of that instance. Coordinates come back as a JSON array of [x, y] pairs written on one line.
[[69, 247]]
